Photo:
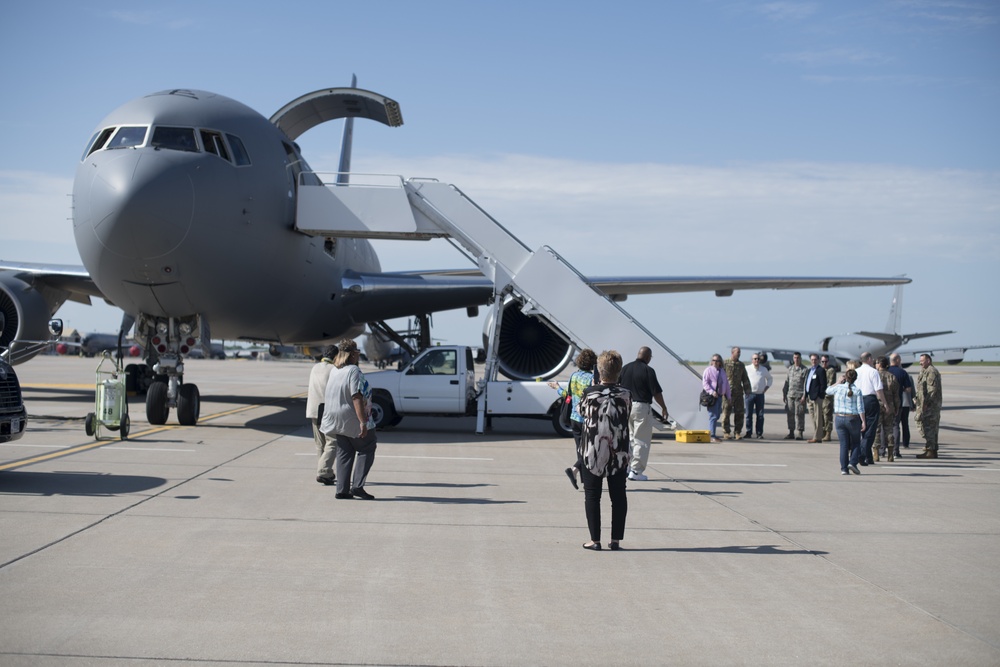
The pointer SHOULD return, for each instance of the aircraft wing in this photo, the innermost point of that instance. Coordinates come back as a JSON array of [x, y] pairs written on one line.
[[952, 355], [69, 278], [622, 286]]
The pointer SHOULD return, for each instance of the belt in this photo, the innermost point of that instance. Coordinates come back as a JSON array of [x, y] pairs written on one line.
[[841, 414]]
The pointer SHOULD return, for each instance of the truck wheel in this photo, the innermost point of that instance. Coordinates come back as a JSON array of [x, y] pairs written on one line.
[[562, 428], [383, 412]]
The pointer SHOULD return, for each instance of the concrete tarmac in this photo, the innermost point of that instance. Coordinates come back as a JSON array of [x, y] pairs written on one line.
[[214, 545]]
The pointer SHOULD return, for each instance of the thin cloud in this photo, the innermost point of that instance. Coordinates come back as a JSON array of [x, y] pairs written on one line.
[[151, 17], [948, 214], [787, 11], [836, 56], [34, 207], [949, 15]]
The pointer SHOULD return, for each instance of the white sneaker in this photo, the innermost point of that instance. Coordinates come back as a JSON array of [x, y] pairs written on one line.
[[637, 477]]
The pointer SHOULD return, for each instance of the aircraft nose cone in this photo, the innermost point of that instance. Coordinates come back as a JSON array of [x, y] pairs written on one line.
[[138, 205]]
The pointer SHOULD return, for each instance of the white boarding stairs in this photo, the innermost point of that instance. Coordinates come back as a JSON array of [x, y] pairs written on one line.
[[543, 281]]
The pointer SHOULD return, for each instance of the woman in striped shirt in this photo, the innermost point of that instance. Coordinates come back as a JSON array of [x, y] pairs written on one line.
[[849, 420]]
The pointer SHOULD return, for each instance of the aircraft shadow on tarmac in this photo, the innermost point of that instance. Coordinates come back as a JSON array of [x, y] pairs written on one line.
[[56, 395], [75, 483], [685, 480], [433, 485], [756, 550], [455, 501], [663, 489]]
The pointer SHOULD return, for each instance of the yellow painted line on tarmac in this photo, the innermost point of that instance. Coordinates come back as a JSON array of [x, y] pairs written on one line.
[[151, 431], [54, 385]]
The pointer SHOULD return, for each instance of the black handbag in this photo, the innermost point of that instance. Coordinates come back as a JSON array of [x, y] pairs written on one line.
[[566, 409], [707, 399]]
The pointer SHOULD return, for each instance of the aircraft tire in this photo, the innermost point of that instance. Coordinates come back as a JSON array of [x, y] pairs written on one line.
[[188, 404], [383, 412], [157, 409], [563, 430]]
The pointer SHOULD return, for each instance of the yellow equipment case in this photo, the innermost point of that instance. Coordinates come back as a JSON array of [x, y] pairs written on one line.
[[691, 436]]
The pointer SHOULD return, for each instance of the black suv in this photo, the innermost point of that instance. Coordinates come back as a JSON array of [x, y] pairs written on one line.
[[13, 416]]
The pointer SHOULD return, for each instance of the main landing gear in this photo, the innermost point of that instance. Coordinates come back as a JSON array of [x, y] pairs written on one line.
[[168, 390]]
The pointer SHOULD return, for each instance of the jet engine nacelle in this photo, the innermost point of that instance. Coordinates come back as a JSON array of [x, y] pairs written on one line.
[[24, 315], [529, 347]]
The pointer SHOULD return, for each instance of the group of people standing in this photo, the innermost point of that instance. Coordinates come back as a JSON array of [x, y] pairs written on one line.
[[339, 405], [872, 408], [742, 390], [612, 416]]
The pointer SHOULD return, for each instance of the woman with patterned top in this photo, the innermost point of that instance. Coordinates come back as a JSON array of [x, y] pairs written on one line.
[[578, 381], [605, 408], [347, 416], [849, 419]]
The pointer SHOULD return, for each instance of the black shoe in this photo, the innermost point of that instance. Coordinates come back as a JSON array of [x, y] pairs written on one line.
[[747, 436], [864, 463], [327, 481], [790, 436], [760, 436], [593, 546], [615, 546], [362, 494], [344, 496], [572, 478]]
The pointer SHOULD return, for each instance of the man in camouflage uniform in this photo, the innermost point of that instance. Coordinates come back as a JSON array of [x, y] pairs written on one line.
[[885, 442], [793, 393], [927, 405], [739, 385], [831, 379]]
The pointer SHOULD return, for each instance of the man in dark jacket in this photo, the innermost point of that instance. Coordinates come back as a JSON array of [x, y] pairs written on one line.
[[815, 393]]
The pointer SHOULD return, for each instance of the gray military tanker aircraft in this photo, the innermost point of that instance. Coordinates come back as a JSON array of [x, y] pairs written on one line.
[[844, 347], [184, 214]]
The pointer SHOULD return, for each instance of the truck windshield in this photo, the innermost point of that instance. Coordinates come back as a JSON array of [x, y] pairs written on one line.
[[436, 362]]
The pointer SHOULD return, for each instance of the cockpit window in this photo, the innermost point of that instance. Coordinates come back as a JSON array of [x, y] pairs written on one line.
[[240, 154], [214, 144], [175, 138], [128, 137], [98, 140]]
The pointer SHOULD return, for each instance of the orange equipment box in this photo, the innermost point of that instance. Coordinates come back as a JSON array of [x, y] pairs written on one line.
[[691, 436]]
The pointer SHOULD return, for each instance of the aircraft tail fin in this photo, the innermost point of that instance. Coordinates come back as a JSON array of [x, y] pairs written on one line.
[[895, 323], [347, 143]]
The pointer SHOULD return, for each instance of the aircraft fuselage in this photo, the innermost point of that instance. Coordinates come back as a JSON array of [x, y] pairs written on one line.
[[184, 204]]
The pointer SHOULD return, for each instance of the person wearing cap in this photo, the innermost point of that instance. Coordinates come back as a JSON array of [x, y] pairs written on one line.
[[326, 448], [347, 418]]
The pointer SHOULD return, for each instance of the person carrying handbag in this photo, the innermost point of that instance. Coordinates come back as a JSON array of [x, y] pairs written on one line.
[[715, 383]]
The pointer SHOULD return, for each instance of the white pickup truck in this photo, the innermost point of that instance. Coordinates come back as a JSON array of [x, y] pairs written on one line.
[[441, 381]]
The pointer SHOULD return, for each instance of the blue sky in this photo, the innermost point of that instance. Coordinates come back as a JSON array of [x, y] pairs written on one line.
[[709, 137]]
